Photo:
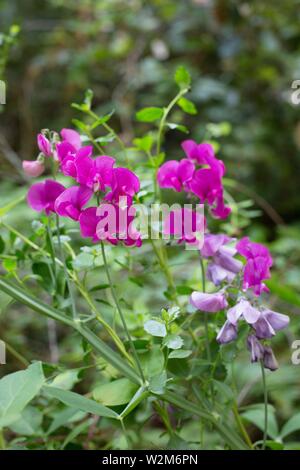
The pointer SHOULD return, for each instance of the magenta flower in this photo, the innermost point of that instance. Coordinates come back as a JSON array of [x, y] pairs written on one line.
[[208, 302], [44, 145], [257, 268], [42, 196], [206, 182], [223, 266], [71, 201], [114, 225], [33, 168], [88, 221], [96, 174], [185, 225], [176, 175], [72, 137], [199, 153], [124, 183]]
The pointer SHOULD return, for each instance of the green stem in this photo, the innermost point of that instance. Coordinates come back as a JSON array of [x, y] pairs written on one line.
[[162, 257], [164, 117], [100, 346], [62, 255], [263, 374], [118, 307], [2, 440], [241, 426], [17, 355], [208, 351]]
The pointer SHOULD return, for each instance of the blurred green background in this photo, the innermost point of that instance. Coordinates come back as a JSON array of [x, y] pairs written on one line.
[[243, 57]]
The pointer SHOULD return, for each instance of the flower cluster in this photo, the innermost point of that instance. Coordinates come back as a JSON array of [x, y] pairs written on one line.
[[200, 173], [223, 268], [94, 177]]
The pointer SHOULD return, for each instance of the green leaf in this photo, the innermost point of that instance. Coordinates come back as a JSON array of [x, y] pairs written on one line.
[[284, 292], [29, 423], [173, 342], [5, 209], [66, 380], [102, 120], [149, 114], [291, 426], [117, 392], [182, 77], [144, 143], [180, 354], [42, 270], [138, 397], [2, 245], [157, 383], [84, 261], [88, 97], [108, 354], [184, 290], [80, 125], [152, 361], [10, 265], [17, 390], [80, 402], [155, 328], [65, 416], [178, 127], [256, 415], [187, 106]]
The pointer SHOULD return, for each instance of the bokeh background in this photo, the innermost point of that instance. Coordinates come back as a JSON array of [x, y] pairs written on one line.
[[243, 57]]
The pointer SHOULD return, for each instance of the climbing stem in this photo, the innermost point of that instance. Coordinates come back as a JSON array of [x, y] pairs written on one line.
[[263, 374], [118, 307]]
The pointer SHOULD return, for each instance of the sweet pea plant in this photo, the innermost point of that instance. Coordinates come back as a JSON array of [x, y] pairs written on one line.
[[168, 356]]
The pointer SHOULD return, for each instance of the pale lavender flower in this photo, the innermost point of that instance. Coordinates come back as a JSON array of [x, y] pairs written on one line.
[[209, 302]]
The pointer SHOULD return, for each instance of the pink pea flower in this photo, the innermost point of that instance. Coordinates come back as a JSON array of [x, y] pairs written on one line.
[[207, 182], [42, 196], [124, 183], [257, 268], [33, 168], [223, 266], [199, 153], [95, 174], [176, 175], [72, 137], [44, 145], [109, 223], [208, 302], [70, 202], [185, 225]]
